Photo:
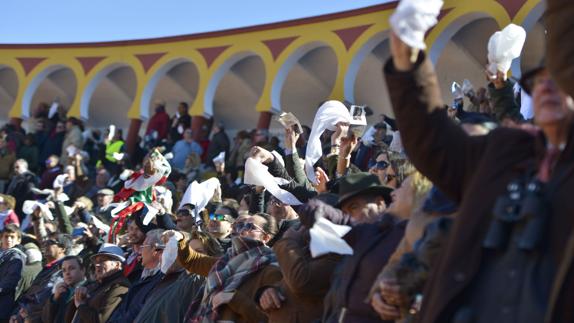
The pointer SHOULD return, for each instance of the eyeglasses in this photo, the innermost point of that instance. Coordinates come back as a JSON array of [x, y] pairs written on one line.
[[237, 226], [219, 217], [381, 165], [250, 226]]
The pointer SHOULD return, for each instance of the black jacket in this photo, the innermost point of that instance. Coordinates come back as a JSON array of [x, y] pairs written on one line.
[[11, 264]]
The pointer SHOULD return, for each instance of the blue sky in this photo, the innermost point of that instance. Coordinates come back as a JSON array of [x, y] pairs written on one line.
[[64, 21]]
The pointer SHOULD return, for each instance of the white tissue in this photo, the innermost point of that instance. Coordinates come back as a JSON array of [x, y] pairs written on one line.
[[257, 174], [413, 18], [503, 47], [326, 238]]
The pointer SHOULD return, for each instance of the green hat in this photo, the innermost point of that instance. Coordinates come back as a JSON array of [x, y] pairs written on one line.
[[362, 183]]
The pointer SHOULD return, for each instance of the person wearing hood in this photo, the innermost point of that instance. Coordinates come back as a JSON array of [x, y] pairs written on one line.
[[7, 214], [234, 280], [12, 261], [73, 276], [132, 303]]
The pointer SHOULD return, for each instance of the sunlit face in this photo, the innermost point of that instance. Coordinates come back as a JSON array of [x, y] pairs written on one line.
[[135, 235], [403, 199], [52, 250], [551, 105], [150, 255], [106, 266], [104, 200], [253, 228], [72, 272], [218, 226], [364, 209], [10, 240]]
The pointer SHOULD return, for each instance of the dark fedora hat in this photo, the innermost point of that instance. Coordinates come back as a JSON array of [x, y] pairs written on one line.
[[362, 184]]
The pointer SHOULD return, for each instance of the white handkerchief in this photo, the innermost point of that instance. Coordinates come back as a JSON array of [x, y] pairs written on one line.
[[118, 156], [504, 46], [467, 87], [168, 156], [72, 150], [112, 132], [257, 174], [53, 109], [456, 91], [413, 18], [199, 194], [326, 238], [279, 157], [169, 255], [29, 206], [151, 213], [60, 181], [327, 117], [219, 158]]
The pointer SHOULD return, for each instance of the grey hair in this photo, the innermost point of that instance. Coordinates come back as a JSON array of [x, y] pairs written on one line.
[[22, 163], [154, 238]]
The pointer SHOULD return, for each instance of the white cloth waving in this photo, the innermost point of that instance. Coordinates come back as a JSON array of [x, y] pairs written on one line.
[[413, 18], [328, 116]]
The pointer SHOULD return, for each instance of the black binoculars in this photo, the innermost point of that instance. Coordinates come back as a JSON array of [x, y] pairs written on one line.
[[521, 211]]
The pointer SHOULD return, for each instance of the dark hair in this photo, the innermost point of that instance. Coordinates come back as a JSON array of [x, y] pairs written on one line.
[[184, 104], [12, 228], [78, 259], [270, 225]]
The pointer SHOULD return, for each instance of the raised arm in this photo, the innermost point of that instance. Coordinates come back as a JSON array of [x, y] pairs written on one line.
[[437, 147]]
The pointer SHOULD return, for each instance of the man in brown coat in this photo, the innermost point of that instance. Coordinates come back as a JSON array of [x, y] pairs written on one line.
[[96, 303], [497, 239]]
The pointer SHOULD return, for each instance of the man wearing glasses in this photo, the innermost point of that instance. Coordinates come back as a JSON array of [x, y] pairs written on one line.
[[220, 225]]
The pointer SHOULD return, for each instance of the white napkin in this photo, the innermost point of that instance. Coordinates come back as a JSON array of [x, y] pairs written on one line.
[[60, 181], [526, 108], [327, 117], [29, 206], [53, 109], [257, 174], [219, 158], [199, 194], [169, 255], [396, 144], [151, 213], [118, 156], [504, 46], [326, 238], [413, 18], [467, 87], [112, 132], [456, 91]]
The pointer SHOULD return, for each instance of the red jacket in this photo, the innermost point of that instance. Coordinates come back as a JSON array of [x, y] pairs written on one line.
[[160, 123]]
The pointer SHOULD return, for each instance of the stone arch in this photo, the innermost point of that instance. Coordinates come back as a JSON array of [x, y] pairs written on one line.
[[175, 81], [364, 81], [112, 90], [311, 63], [9, 85], [234, 90], [55, 82], [463, 44]]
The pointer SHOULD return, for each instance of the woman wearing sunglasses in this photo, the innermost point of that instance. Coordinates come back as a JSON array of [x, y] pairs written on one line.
[[233, 280]]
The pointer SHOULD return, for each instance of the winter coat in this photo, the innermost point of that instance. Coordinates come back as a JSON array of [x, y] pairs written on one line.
[[373, 245], [169, 300], [305, 282], [219, 143], [20, 186], [11, 265], [132, 303], [7, 160], [474, 172], [73, 138], [159, 122], [103, 299]]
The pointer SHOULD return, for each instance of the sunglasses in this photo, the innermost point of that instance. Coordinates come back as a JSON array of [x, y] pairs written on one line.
[[381, 165], [219, 217], [249, 226]]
